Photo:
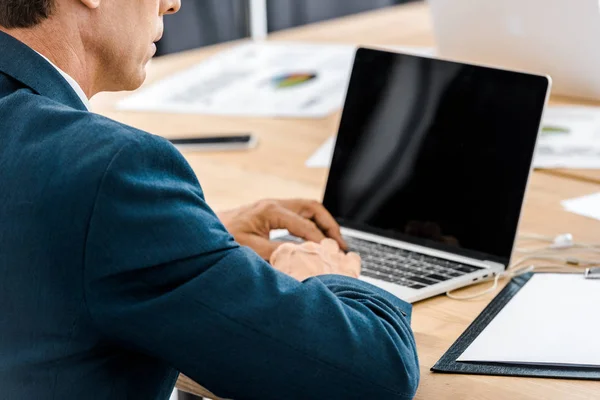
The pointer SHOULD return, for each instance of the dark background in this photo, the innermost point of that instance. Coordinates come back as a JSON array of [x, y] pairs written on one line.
[[205, 22]]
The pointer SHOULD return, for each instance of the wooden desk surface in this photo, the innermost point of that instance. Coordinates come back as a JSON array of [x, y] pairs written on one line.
[[276, 169], [408, 25]]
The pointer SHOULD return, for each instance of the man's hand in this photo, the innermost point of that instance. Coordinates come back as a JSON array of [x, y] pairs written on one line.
[[310, 259], [306, 219]]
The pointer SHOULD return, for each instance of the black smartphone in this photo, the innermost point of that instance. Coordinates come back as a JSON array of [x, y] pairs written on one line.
[[216, 143]]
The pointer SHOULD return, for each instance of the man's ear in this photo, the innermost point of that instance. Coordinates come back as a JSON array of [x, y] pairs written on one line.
[[91, 3]]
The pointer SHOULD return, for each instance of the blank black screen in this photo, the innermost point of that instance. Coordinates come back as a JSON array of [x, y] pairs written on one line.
[[435, 152]]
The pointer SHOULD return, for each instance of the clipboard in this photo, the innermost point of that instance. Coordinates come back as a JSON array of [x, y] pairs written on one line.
[[448, 363]]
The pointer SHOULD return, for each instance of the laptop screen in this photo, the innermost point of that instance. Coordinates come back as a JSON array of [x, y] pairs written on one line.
[[435, 153]]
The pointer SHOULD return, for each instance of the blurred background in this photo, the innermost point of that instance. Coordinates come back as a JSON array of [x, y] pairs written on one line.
[[205, 22]]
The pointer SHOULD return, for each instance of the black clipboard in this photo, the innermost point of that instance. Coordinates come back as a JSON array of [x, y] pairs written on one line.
[[448, 363]]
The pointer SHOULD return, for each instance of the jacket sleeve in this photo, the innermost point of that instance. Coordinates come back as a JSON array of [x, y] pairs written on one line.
[[164, 278]]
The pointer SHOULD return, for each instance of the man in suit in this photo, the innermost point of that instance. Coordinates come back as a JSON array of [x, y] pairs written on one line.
[[116, 275]]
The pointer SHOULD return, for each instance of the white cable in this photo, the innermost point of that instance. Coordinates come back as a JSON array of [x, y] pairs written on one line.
[[555, 252], [510, 274], [564, 240], [534, 236], [551, 250]]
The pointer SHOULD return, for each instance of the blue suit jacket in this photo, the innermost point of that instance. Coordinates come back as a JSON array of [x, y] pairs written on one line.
[[115, 274]]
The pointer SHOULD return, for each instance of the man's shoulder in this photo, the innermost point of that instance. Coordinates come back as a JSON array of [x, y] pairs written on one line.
[[73, 126], [105, 132], [108, 133], [72, 146]]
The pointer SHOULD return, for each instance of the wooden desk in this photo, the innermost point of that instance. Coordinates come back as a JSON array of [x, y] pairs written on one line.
[[402, 25], [438, 322], [276, 169]]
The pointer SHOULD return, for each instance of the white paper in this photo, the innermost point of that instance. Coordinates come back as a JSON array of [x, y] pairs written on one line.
[[550, 321], [264, 79], [322, 157], [570, 139], [588, 206]]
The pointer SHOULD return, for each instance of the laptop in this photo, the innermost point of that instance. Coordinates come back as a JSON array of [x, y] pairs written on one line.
[[430, 169], [560, 38]]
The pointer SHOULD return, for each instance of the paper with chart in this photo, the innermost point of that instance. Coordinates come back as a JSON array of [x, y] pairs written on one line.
[[550, 321], [264, 79], [588, 206], [570, 138]]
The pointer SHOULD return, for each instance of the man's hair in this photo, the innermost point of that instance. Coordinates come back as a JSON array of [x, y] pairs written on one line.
[[24, 13]]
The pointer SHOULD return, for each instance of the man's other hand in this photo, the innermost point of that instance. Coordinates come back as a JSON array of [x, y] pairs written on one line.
[[310, 259], [306, 219]]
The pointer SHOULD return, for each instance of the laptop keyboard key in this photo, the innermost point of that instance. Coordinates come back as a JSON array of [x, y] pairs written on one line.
[[417, 286], [437, 277], [424, 281]]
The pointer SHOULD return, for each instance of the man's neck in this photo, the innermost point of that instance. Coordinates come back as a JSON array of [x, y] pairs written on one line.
[[63, 47]]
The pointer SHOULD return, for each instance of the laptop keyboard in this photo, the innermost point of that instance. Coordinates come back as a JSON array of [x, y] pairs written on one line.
[[402, 267]]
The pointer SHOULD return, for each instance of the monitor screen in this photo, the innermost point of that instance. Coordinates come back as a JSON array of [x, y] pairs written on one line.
[[435, 152]]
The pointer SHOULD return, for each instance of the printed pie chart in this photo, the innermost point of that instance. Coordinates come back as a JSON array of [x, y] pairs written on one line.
[[292, 80]]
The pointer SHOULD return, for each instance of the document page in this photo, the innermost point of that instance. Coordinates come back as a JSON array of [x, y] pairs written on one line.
[[552, 320]]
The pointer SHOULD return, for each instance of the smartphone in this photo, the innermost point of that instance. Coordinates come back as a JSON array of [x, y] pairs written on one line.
[[216, 143]]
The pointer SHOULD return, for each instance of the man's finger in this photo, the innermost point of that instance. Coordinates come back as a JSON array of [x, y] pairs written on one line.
[[310, 246], [315, 211], [354, 258], [354, 262], [282, 218], [331, 246]]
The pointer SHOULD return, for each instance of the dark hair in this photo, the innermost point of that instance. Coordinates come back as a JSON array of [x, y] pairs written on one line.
[[24, 13]]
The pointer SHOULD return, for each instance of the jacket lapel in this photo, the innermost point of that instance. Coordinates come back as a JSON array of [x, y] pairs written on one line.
[[23, 64]]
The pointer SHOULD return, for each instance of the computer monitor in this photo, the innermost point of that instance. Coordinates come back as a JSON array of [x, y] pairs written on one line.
[[560, 38]]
